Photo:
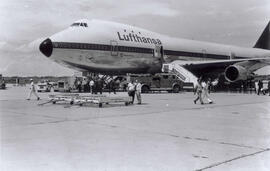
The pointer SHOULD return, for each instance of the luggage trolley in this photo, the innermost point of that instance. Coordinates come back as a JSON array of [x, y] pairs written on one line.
[[101, 99], [63, 98]]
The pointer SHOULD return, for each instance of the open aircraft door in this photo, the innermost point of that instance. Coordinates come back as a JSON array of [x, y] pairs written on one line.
[[157, 59], [159, 54]]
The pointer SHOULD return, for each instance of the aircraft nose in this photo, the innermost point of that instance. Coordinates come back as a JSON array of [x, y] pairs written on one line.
[[46, 47]]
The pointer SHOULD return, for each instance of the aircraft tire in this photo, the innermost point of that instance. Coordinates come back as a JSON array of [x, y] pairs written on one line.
[[145, 89], [176, 89]]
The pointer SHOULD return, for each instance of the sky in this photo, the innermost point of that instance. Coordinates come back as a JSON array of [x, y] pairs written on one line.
[[25, 23]]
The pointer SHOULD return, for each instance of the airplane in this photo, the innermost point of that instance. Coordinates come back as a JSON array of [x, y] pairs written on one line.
[[112, 48]]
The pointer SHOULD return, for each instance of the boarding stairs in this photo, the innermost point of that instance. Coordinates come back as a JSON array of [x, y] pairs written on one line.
[[176, 68]]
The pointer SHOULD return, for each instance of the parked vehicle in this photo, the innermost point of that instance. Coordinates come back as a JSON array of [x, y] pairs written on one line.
[[69, 85], [54, 86], [265, 87], [43, 87], [2, 82], [63, 86], [159, 82]]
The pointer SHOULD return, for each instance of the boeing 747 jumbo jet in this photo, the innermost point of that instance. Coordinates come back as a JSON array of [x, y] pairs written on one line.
[[114, 48]]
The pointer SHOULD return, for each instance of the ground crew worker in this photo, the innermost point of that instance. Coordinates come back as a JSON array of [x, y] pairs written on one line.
[[91, 84], [99, 85], [84, 85], [138, 90], [198, 91], [131, 91], [112, 86], [260, 85], [206, 91], [32, 90], [268, 86], [79, 86]]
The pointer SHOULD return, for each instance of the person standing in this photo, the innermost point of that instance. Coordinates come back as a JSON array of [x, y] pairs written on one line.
[[32, 90], [206, 91], [99, 85], [131, 91], [138, 91], [198, 91], [256, 87], [91, 84], [84, 82], [79, 86], [260, 85], [112, 87], [268, 86]]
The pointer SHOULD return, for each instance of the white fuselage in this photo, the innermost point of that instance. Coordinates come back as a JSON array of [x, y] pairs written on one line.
[[108, 47]]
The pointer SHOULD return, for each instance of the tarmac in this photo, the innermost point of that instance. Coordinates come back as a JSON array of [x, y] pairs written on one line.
[[168, 132]]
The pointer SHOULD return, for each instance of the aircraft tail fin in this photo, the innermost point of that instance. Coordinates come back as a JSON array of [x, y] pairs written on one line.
[[264, 41]]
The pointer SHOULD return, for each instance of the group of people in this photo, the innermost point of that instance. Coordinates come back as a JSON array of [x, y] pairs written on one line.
[[202, 91], [93, 85], [97, 86], [260, 89], [135, 89]]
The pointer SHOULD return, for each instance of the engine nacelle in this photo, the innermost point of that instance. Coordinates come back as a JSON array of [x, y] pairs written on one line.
[[236, 72]]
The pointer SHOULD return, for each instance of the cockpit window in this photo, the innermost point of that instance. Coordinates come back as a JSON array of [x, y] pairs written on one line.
[[79, 25], [75, 24]]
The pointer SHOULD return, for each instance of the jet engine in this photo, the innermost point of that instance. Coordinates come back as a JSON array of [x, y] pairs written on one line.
[[236, 72]]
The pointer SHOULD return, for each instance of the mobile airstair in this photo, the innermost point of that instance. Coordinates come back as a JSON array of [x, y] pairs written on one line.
[[176, 68]]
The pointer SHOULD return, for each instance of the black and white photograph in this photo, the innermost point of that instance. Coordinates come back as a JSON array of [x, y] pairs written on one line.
[[135, 85]]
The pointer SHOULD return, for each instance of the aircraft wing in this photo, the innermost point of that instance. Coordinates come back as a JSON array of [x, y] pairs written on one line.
[[234, 69]]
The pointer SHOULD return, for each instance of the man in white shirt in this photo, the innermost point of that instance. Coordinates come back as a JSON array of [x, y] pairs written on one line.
[[205, 91], [198, 91], [32, 90], [91, 84], [138, 91], [131, 91]]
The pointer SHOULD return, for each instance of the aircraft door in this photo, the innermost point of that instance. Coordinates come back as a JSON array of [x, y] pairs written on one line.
[[114, 48], [158, 53]]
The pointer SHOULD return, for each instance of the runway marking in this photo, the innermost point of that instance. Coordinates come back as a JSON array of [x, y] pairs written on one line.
[[233, 159]]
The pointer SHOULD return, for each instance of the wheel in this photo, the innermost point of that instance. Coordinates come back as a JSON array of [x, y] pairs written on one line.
[[54, 102], [145, 89], [176, 88], [81, 104], [126, 103], [71, 102]]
